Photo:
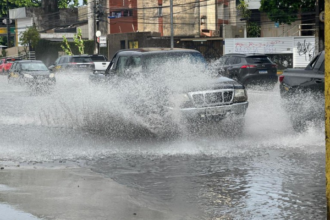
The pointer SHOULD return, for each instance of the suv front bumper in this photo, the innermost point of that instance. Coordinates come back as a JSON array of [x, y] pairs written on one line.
[[211, 113]]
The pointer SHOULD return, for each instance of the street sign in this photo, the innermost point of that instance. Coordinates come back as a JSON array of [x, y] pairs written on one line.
[[103, 41], [3, 30]]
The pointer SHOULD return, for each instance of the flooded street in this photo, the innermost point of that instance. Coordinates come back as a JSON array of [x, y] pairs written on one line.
[[270, 172]]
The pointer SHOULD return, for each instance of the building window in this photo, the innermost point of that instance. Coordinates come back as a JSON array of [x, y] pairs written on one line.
[[160, 10], [122, 44], [203, 19], [122, 13]]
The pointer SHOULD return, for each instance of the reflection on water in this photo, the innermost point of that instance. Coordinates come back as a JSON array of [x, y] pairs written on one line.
[[265, 184]]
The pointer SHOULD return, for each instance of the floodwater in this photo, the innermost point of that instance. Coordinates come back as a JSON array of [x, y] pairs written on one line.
[[270, 172]]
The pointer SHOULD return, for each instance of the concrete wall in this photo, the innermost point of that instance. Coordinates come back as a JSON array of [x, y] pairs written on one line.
[[268, 28]]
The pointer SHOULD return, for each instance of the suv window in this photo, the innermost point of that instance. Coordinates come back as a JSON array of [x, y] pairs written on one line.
[[231, 60], [121, 64], [98, 58], [258, 59], [61, 60], [12, 68]]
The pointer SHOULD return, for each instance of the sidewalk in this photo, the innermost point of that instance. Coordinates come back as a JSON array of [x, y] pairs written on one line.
[[71, 194]]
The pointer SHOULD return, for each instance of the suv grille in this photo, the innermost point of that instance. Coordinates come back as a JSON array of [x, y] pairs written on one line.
[[212, 98]]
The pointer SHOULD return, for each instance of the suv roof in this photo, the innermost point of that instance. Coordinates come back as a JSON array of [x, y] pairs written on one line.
[[245, 55]]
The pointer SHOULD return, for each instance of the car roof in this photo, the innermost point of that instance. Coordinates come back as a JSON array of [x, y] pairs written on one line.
[[245, 54]]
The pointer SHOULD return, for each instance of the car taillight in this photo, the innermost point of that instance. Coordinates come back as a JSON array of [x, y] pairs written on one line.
[[248, 66], [274, 65], [281, 78]]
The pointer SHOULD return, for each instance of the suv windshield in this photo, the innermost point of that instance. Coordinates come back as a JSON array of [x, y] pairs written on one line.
[[154, 60], [258, 59], [81, 59]]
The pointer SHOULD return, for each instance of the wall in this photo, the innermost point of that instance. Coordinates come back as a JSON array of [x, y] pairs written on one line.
[[268, 28], [186, 17], [144, 39], [301, 48]]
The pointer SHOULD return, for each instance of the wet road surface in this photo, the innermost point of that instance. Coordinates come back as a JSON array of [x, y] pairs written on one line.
[[271, 172]]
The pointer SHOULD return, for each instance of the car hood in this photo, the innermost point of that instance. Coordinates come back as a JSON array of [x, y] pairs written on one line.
[[37, 73], [213, 84]]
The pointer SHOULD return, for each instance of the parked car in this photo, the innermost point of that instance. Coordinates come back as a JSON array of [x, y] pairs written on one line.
[[33, 73], [5, 64], [302, 92], [100, 63], [208, 100], [79, 63], [248, 69]]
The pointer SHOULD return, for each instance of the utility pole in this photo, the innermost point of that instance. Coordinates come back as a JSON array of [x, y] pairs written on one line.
[[8, 27], [95, 22], [172, 31], [98, 13]]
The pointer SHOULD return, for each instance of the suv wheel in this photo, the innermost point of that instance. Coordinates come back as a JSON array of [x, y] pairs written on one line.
[[234, 77]]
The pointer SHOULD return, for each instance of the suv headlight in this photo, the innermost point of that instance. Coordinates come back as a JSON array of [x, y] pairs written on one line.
[[52, 75], [180, 100], [28, 76], [240, 95]]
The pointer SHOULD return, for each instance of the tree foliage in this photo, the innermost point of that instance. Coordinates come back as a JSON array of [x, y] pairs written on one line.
[[78, 41], [34, 3], [243, 9], [77, 38], [66, 47], [253, 29], [286, 11], [30, 37], [17, 4]]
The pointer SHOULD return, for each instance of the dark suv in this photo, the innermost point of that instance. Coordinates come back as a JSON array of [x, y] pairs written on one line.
[[185, 93], [248, 69], [73, 62]]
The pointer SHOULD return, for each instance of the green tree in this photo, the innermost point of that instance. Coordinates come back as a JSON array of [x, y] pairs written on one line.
[[69, 3], [253, 29], [66, 46], [17, 4], [78, 41], [33, 3], [243, 9], [286, 11], [30, 37]]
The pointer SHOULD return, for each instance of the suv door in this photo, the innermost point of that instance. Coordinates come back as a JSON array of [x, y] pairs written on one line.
[[228, 66], [234, 67]]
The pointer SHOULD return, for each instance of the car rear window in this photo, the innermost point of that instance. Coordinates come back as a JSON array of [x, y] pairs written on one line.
[[11, 60], [81, 59], [258, 59], [98, 58]]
